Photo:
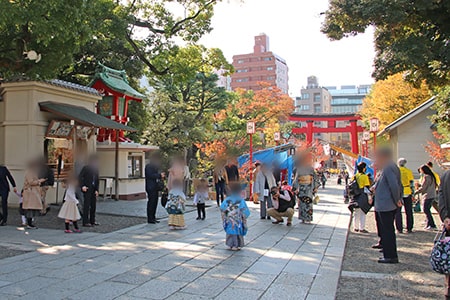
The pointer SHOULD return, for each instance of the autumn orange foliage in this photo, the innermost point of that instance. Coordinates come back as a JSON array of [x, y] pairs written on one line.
[[435, 151]]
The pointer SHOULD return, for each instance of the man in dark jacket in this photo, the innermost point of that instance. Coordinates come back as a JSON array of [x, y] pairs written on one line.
[[153, 179], [5, 176], [388, 195], [89, 183]]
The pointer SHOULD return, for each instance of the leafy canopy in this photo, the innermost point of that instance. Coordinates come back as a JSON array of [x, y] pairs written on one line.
[[73, 35]]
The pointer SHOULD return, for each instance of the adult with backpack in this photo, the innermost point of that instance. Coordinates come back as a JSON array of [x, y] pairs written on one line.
[[360, 202], [283, 205]]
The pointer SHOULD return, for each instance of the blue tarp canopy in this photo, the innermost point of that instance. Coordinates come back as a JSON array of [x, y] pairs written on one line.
[[278, 155]]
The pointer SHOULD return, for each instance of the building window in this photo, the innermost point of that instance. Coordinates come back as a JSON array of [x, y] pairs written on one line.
[[269, 68], [135, 166], [240, 61], [317, 108], [242, 70], [317, 97], [305, 96], [242, 80], [267, 58], [304, 107], [270, 78]]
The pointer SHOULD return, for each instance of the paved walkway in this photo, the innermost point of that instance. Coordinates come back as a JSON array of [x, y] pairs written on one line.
[[151, 262]]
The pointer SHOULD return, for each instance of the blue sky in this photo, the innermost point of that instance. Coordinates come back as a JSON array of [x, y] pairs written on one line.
[[294, 30]]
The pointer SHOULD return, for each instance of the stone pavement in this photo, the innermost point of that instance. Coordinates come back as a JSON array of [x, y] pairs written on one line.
[[151, 262]]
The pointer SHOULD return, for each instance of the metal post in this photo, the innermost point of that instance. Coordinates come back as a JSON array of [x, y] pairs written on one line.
[[116, 168], [251, 166]]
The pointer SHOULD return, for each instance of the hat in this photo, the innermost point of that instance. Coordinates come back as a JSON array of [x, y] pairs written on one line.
[[402, 162]]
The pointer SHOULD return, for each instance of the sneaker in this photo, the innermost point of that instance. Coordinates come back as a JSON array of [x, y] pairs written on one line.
[[198, 218], [31, 227], [429, 228], [68, 231], [203, 219], [77, 230], [363, 231]]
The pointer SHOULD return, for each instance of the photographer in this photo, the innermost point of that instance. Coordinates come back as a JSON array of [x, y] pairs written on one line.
[[283, 206]]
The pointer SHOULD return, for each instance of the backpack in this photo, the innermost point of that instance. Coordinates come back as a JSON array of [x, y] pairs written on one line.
[[283, 205], [353, 188]]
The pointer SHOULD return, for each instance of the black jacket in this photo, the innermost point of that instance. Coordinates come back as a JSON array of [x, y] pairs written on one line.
[[152, 176], [89, 178], [5, 175], [232, 172]]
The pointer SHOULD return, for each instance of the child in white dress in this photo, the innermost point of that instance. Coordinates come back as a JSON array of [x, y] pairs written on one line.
[[69, 210]]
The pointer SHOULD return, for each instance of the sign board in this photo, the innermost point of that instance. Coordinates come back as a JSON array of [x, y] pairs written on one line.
[[251, 128], [366, 135], [374, 124], [59, 129], [277, 136]]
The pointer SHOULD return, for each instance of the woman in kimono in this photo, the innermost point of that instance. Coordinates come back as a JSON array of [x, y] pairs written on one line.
[[32, 202], [305, 186], [176, 205], [234, 216]]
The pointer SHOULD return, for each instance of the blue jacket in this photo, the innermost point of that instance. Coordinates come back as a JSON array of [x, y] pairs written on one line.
[[5, 175], [388, 188]]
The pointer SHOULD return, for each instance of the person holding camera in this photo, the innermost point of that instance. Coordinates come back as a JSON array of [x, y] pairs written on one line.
[[283, 206]]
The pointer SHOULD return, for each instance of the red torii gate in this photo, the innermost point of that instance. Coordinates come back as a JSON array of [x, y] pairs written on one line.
[[331, 120]]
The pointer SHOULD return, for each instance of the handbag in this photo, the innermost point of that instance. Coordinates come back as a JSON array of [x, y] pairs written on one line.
[[316, 199], [440, 255], [164, 197]]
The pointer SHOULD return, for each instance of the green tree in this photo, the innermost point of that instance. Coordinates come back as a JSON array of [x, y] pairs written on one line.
[[186, 98], [73, 35], [55, 29]]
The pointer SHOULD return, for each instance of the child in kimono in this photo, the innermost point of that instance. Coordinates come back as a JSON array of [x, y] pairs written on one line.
[[234, 216], [200, 198], [69, 210], [175, 205]]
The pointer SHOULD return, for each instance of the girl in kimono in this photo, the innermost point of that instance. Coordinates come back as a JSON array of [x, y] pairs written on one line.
[[305, 186], [69, 210], [32, 203], [234, 216], [175, 205]]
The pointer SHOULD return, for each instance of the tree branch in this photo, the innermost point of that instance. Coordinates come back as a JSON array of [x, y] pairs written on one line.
[[144, 59]]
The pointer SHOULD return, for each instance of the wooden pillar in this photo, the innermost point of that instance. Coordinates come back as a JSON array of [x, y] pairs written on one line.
[[309, 132], [354, 136], [116, 167]]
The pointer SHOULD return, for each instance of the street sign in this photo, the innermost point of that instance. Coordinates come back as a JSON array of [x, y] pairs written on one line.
[[277, 136], [251, 128], [366, 135], [374, 124]]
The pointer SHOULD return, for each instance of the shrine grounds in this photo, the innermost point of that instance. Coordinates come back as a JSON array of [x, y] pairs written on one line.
[[126, 259]]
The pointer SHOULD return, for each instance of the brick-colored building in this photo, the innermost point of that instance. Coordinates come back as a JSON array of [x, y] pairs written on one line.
[[260, 66]]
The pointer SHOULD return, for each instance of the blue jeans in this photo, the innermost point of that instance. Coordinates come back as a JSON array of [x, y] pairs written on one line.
[[427, 210]]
